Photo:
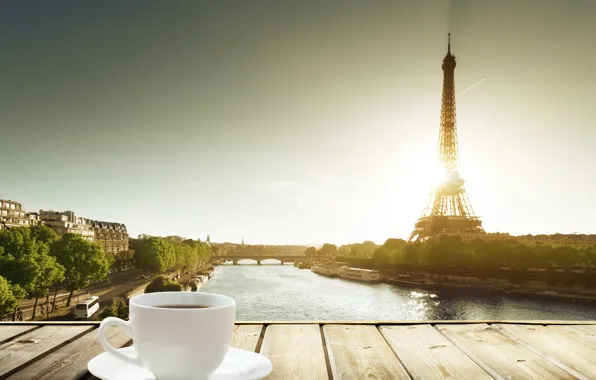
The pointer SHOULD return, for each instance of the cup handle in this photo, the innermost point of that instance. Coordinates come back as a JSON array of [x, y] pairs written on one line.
[[134, 359]]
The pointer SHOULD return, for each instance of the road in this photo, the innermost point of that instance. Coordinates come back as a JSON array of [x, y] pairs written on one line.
[[118, 283], [119, 286]]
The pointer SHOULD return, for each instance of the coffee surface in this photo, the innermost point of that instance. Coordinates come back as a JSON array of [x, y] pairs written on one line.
[[182, 306]]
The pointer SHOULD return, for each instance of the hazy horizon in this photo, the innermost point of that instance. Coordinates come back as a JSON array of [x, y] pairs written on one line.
[[298, 123]]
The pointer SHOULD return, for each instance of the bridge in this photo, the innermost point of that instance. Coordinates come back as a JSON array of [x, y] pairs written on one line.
[[282, 259]]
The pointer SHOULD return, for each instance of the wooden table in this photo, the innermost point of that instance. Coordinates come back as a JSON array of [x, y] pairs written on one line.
[[340, 350]]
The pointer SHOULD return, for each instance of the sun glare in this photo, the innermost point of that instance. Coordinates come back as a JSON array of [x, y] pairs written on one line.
[[438, 175]]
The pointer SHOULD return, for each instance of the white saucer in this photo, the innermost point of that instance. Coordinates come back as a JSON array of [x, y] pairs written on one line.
[[237, 365]]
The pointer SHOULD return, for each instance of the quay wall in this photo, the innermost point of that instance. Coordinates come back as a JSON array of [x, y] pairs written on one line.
[[580, 281]]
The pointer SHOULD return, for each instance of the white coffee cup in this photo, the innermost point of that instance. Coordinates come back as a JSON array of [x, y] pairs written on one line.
[[176, 343]]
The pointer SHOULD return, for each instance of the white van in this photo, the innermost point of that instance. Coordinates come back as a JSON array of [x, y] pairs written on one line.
[[87, 308]]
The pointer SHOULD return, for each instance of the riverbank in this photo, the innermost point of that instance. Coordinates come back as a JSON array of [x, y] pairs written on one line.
[[434, 282], [574, 284], [533, 283]]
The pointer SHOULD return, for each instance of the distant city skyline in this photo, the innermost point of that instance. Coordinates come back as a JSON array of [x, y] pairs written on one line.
[[296, 124]]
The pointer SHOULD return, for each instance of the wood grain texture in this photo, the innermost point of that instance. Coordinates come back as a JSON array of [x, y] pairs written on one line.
[[361, 352], [499, 355], [421, 322], [564, 348], [296, 352], [31, 345], [297, 349], [324, 322], [427, 354], [70, 361], [8, 332], [246, 337], [588, 332]]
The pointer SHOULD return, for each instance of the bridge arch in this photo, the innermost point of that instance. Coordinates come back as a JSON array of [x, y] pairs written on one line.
[[259, 260], [247, 261], [268, 261]]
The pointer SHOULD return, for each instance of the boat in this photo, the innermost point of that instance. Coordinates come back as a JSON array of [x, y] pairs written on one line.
[[359, 274], [412, 283], [329, 269]]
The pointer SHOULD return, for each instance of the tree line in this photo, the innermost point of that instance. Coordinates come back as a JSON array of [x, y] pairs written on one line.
[[165, 254], [453, 252], [159, 255], [364, 249], [34, 262]]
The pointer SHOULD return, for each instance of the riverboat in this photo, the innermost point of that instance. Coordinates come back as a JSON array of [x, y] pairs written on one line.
[[412, 283], [329, 270], [359, 274]]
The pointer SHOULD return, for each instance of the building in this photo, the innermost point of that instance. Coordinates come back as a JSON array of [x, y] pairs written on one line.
[[12, 214], [112, 237], [68, 222]]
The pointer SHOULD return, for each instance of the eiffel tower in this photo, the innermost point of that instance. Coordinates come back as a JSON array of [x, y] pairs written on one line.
[[448, 211]]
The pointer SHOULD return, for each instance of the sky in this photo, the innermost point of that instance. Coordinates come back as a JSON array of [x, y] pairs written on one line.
[[296, 123]]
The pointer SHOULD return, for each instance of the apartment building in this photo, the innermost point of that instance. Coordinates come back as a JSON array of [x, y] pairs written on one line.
[[12, 214], [112, 237], [68, 222]]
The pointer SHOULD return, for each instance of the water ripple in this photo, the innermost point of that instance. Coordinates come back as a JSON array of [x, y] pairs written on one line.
[[274, 292]]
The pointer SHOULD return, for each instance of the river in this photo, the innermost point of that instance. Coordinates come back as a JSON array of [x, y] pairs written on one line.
[[283, 292]]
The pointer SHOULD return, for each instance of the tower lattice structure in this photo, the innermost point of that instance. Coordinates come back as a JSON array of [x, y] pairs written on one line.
[[448, 211]]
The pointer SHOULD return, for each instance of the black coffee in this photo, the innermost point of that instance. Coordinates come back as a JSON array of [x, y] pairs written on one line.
[[182, 306]]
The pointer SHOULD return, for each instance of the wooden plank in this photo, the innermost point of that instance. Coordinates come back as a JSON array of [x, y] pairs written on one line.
[[499, 355], [70, 361], [30, 346], [427, 354], [9, 332], [588, 332], [421, 322], [324, 322], [359, 352], [591, 329], [44, 323], [564, 349], [296, 352], [246, 337]]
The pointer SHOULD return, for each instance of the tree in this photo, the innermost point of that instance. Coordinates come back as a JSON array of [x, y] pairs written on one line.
[[123, 259], [186, 257], [154, 254], [310, 252], [163, 284], [23, 262], [175, 239], [118, 309], [329, 250], [8, 302], [51, 274], [205, 251], [84, 262], [43, 234], [191, 243]]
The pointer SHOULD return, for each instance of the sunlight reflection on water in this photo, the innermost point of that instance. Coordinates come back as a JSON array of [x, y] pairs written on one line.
[[275, 292]]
